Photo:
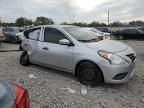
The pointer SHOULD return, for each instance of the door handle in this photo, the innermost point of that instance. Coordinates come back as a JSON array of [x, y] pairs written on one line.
[[45, 48]]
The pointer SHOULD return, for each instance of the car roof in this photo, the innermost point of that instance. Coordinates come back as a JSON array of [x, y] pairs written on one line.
[[61, 26], [56, 26]]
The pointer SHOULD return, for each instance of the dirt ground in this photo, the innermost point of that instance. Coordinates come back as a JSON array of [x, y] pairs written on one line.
[[50, 88]]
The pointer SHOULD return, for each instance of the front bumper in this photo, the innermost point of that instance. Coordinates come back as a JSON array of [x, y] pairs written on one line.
[[110, 71]]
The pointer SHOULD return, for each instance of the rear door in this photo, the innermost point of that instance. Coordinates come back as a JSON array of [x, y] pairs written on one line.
[[31, 43], [52, 53]]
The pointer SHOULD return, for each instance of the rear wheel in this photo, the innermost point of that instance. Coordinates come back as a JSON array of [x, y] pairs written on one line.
[[89, 74], [20, 48], [24, 59]]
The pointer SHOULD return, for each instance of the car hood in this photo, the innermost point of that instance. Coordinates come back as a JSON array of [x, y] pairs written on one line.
[[107, 45]]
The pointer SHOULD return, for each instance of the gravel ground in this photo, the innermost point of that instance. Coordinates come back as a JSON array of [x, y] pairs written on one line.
[[49, 88], [8, 46]]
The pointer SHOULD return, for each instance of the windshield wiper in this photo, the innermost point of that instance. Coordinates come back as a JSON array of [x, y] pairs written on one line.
[[93, 40], [83, 40], [90, 40]]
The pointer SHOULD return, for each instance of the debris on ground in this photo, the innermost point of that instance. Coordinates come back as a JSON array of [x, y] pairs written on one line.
[[32, 76], [84, 91], [69, 90]]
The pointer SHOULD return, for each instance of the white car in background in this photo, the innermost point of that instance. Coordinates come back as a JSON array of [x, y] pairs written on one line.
[[100, 34]]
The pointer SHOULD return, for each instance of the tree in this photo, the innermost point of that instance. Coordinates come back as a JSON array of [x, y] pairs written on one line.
[[64, 23], [97, 24], [136, 23], [79, 24], [7, 24], [43, 21], [117, 24], [22, 21]]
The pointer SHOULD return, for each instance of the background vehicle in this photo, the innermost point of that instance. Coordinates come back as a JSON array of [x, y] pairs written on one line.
[[78, 51], [10, 34], [100, 36], [104, 34], [142, 29], [129, 34], [104, 29], [2, 37], [13, 96]]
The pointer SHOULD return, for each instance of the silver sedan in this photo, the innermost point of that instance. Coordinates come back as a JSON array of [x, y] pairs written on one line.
[[78, 51]]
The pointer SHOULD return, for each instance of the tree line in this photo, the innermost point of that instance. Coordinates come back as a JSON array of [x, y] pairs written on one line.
[[22, 21], [114, 24]]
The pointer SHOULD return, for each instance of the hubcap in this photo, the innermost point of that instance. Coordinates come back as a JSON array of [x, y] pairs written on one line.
[[25, 57], [89, 74]]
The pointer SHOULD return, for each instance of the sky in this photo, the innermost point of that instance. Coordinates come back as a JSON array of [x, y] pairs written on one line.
[[73, 10]]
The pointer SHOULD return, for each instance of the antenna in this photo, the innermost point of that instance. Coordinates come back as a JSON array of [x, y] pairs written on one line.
[[108, 17], [0, 22]]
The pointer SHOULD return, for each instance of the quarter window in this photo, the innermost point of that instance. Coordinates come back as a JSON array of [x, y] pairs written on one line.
[[33, 34], [53, 35]]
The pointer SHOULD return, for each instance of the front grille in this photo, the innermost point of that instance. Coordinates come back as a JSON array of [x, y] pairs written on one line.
[[131, 56]]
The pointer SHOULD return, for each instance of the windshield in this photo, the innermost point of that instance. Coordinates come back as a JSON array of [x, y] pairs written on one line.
[[81, 34]]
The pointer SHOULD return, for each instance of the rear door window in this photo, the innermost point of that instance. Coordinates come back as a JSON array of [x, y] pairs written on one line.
[[33, 34]]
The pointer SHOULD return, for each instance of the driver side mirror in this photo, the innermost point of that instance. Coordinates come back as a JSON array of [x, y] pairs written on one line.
[[64, 42]]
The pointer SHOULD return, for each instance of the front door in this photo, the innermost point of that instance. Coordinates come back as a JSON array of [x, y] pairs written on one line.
[[54, 54]]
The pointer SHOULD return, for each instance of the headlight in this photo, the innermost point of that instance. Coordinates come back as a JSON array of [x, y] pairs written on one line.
[[112, 58]]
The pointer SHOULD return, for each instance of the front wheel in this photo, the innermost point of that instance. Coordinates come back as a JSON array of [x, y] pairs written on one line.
[[24, 59], [89, 74]]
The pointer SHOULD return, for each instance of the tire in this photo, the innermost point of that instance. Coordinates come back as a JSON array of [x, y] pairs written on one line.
[[24, 59], [13, 40], [20, 48], [89, 74]]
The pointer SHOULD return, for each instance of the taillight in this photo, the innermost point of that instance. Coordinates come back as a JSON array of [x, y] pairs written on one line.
[[22, 97], [101, 37]]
